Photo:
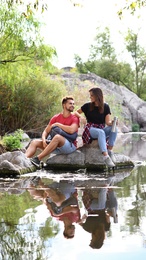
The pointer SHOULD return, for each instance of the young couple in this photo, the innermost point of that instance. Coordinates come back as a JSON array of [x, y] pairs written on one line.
[[99, 126]]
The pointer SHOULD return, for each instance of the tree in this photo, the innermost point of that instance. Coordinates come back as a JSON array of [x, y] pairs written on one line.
[[103, 61], [138, 55], [20, 37], [102, 47], [28, 98]]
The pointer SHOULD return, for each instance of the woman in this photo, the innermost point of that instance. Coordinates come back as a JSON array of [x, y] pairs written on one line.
[[97, 226], [99, 125]]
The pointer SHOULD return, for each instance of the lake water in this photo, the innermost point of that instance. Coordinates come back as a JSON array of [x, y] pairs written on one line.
[[28, 230]]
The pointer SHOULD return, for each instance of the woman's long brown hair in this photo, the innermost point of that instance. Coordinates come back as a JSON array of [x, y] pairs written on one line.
[[98, 94]]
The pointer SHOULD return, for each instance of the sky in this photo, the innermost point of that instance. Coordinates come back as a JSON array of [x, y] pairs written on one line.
[[71, 30]]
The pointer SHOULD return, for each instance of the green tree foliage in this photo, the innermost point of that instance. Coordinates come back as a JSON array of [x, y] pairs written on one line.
[[138, 55], [20, 37], [118, 72], [104, 63], [102, 47], [28, 98]]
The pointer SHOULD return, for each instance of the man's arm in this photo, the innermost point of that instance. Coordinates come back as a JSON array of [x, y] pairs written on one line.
[[46, 132], [69, 129]]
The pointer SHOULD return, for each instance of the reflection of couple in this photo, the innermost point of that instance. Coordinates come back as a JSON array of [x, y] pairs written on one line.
[[100, 204], [61, 200], [63, 204]]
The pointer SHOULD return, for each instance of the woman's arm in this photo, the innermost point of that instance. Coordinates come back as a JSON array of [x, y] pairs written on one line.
[[79, 111], [78, 114], [108, 120]]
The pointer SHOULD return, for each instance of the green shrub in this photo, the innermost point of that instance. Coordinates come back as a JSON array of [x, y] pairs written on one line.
[[135, 128], [28, 102], [13, 141]]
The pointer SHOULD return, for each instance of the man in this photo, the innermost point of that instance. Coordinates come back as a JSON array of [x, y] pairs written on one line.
[[59, 144]]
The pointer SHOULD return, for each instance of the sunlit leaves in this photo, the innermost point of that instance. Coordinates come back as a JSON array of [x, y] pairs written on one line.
[[20, 38], [33, 5], [131, 6]]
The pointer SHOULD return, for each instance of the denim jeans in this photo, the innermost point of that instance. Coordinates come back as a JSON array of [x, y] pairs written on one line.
[[67, 148], [99, 203], [102, 135]]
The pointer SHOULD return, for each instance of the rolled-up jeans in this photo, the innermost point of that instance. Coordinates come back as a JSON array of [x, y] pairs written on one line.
[[102, 135]]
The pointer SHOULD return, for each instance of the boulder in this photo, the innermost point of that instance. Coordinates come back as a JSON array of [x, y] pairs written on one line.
[[14, 163], [133, 109], [87, 157]]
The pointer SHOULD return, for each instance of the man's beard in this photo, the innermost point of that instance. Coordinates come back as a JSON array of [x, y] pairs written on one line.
[[70, 109]]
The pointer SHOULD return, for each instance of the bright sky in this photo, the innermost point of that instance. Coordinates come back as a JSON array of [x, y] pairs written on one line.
[[71, 30]]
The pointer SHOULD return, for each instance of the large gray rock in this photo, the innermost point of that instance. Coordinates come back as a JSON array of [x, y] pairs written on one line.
[[86, 157], [133, 109], [14, 163]]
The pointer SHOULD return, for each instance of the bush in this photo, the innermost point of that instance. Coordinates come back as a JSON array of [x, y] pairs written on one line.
[[13, 141], [135, 128], [29, 102]]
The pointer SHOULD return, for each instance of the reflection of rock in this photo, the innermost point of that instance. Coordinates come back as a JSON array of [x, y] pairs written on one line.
[[14, 163], [143, 137], [133, 145], [80, 182], [87, 157], [12, 186]]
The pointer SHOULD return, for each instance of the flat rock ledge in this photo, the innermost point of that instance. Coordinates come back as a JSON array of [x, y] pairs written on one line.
[[86, 157]]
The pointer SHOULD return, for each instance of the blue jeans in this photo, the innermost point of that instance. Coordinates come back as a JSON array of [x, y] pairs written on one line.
[[102, 135], [99, 203]]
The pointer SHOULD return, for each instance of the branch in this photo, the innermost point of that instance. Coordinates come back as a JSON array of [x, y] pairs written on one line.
[[3, 62]]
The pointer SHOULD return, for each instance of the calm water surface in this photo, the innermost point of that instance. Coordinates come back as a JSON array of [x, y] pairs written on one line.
[[28, 230]]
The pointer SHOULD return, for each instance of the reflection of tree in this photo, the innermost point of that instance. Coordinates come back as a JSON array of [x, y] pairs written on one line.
[[139, 207], [12, 207], [135, 194], [25, 243], [49, 229], [20, 237]]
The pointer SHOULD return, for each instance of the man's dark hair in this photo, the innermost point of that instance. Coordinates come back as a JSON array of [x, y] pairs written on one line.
[[67, 236], [65, 99]]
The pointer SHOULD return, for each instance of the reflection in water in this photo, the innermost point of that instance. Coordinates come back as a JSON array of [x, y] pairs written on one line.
[[133, 145], [35, 212], [62, 203], [100, 204]]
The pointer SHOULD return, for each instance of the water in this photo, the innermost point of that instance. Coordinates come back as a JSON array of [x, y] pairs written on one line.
[[28, 231]]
